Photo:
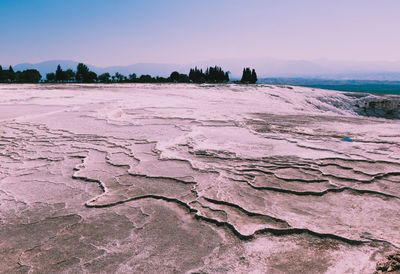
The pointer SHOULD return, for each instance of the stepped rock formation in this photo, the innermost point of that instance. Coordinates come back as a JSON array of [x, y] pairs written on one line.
[[195, 179]]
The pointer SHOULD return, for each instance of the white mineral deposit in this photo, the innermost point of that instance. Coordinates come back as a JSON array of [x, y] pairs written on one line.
[[157, 178]]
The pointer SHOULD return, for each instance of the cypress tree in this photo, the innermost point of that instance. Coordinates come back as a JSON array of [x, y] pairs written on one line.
[[11, 74], [245, 77], [2, 74], [59, 74], [196, 75], [215, 75], [226, 77], [249, 76], [191, 74], [253, 77]]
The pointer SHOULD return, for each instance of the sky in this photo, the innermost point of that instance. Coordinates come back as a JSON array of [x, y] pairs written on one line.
[[123, 32]]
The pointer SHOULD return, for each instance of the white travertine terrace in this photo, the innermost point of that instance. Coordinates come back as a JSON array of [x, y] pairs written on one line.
[[196, 178]]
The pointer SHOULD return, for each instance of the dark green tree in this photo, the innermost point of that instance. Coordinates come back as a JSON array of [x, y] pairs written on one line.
[[146, 79], [215, 75], [174, 76], [197, 76], [211, 75], [69, 75], [11, 74], [82, 72], [91, 77], [105, 78], [245, 76], [60, 75], [119, 77], [226, 77], [249, 76], [177, 77], [51, 77], [162, 80], [28, 76], [132, 78], [253, 78], [243, 79], [84, 75], [3, 75]]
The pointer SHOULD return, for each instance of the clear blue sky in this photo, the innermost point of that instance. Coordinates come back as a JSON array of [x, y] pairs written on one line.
[[121, 32]]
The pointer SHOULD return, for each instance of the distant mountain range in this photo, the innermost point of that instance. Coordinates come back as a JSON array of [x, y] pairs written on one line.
[[265, 67]]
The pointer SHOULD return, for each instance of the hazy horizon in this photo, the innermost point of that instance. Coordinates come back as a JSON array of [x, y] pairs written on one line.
[[215, 61], [265, 67], [118, 33]]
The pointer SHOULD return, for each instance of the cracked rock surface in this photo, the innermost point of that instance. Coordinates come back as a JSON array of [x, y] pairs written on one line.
[[195, 179]]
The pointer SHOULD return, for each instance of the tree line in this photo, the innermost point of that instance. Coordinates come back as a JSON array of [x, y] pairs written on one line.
[[26, 76], [84, 75]]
